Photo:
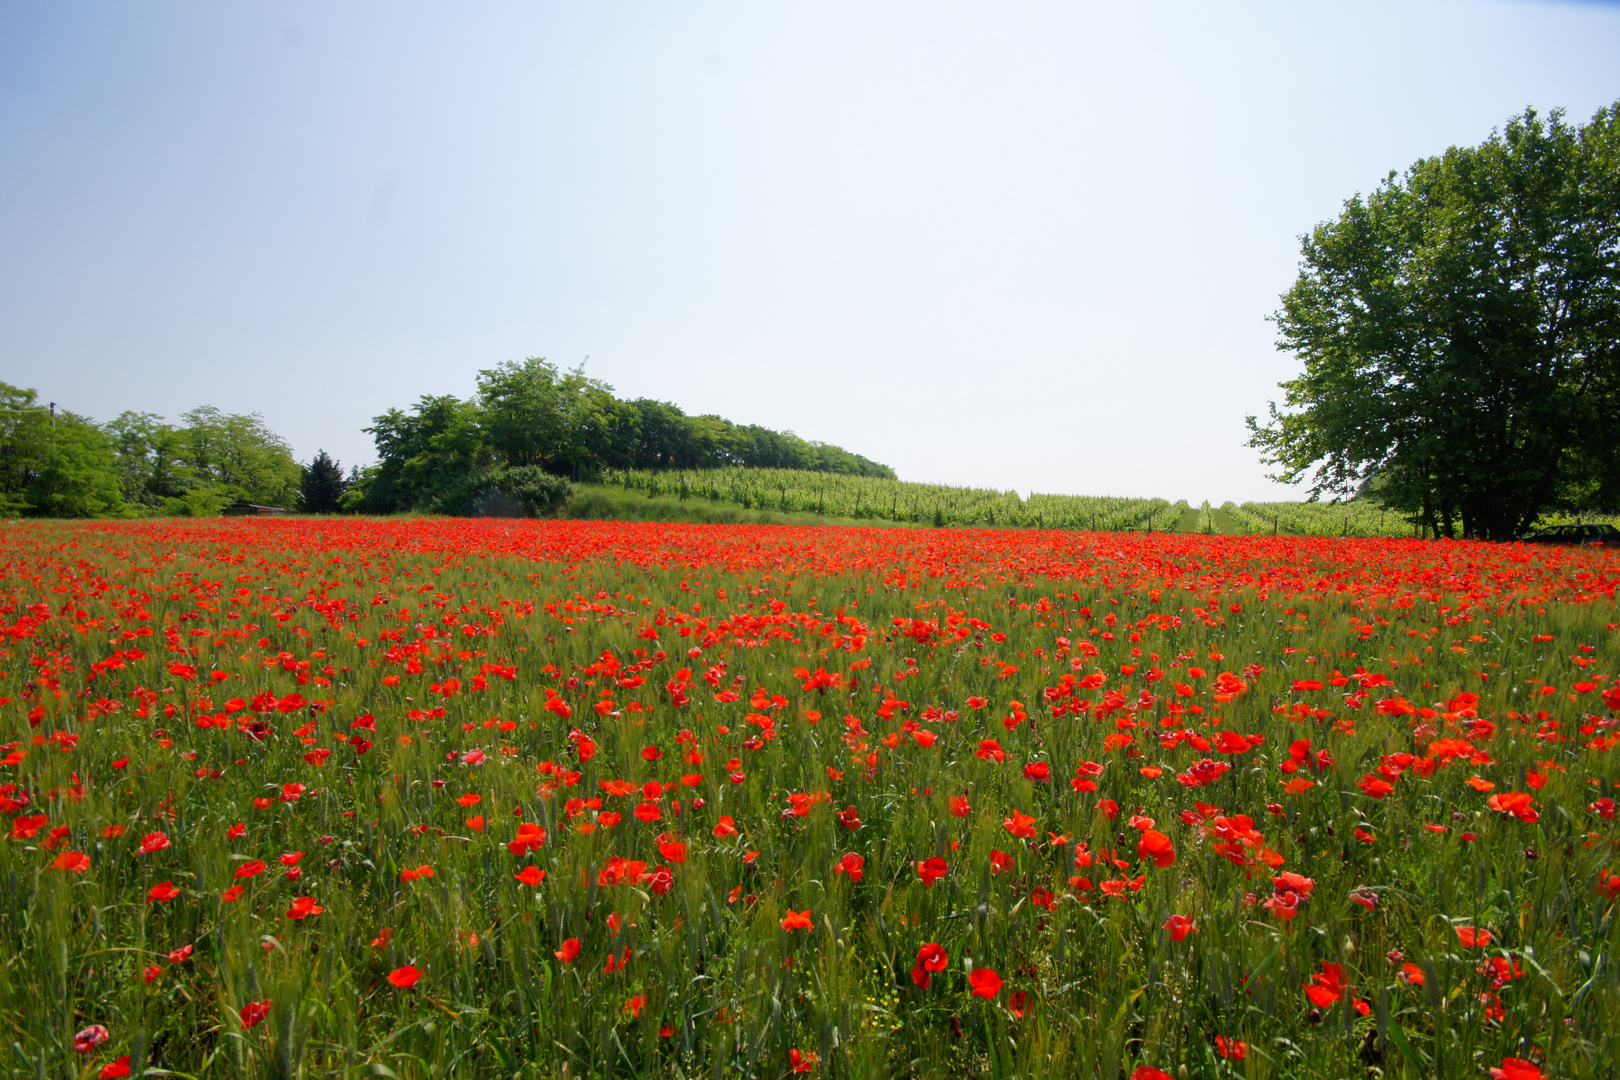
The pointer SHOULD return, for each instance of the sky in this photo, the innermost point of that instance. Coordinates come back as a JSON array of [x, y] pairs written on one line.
[[1018, 245]]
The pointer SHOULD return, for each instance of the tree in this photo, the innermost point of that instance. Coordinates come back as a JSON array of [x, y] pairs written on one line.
[[1460, 333], [235, 457], [53, 467], [148, 453], [321, 490]]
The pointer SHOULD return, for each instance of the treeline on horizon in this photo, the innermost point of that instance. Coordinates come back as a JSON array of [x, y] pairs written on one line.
[[511, 449]]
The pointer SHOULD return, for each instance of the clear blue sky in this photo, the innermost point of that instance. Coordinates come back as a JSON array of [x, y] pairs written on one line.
[[1019, 245]]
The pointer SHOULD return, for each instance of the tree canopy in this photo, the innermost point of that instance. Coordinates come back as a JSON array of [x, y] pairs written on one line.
[[531, 416], [1460, 334]]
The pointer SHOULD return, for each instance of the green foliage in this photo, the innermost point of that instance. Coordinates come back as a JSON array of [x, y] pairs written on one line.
[[240, 455], [1458, 331], [860, 498], [60, 466], [323, 486]]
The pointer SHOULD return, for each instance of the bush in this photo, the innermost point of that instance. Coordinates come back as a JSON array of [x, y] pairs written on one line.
[[522, 491]]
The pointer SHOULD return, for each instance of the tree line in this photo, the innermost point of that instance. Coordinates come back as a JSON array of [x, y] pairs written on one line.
[[511, 449], [530, 421]]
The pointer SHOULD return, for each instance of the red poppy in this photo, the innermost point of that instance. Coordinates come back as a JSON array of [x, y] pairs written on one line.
[[1472, 937], [931, 870], [152, 842], [162, 892], [1514, 803], [303, 907], [114, 1069], [1018, 1004], [1180, 926], [529, 838], [180, 955], [1039, 772], [151, 973], [90, 1038], [531, 876], [852, 864], [250, 869], [404, 977], [797, 920], [1156, 846], [1327, 986], [959, 806], [253, 1013], [76, 862], [985, 983], [1000, 861], [636, 1004], [569, 951], [849, 819], [1020, 825], [1516, 1069], [802, 1061], [1148, 1072], [1411, 973], [930, 958], [726, 826], [1231, 1049], [420, 872]]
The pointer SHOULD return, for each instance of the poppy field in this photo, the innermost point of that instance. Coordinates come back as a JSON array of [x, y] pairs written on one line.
[[439, 798]]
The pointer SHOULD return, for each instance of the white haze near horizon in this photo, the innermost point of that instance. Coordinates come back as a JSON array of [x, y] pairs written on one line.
[[1016, 245]]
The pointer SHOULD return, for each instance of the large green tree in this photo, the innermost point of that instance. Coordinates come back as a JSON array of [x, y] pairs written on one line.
[[1460, 333], [53, 465]]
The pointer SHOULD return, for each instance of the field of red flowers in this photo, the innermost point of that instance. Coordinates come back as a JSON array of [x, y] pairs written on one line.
[[428, 798]]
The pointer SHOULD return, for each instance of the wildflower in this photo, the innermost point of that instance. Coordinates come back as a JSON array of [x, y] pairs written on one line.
[[1179, 926], [1000, 861], [959, 805], [76, 862], [1231, 1049], [1472, 937], [802, 1062], [930, 958], [1516, 1069], [422, 871], [253, 1013], [1327, 986], [152, 842], [89, 1038], [250, 869], [1156, 846], [635, 1005], [849, 819], [931, 870], [1020, 825], [303, 907], [404, 977], [985, 982], [1411, 974], [180, 955], [797, 920], [569, 951], [113, 1070], [162, 892], [852, 864], [531, 876]]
